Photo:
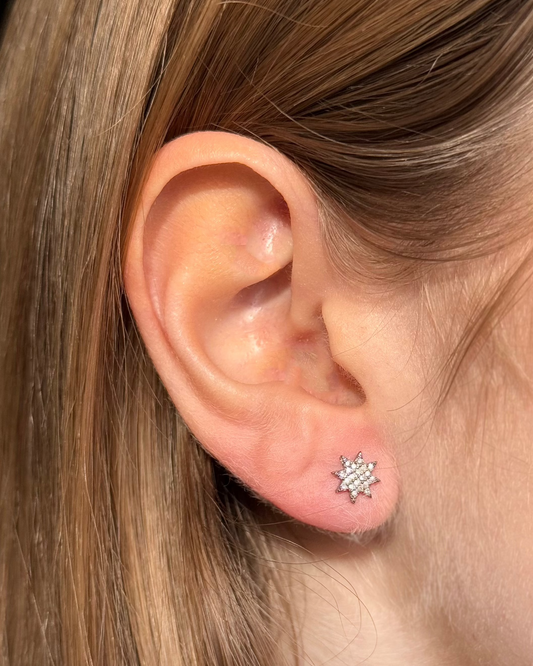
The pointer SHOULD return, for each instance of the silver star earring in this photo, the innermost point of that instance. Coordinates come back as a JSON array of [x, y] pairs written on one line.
[[356, 476]]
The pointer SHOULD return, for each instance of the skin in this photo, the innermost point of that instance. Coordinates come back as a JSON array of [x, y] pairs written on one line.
[[279, 368], [450, 581]]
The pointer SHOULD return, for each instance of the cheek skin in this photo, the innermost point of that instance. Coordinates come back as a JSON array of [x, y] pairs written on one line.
[[489, 522], [479, 495], [464, 532]]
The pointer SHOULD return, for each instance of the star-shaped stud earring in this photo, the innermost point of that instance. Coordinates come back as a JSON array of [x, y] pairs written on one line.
[[356, 476]]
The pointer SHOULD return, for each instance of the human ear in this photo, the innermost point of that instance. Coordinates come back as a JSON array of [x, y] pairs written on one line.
[[226, 277]]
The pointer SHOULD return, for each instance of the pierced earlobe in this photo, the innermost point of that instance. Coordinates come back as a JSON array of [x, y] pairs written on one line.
[[356, 477]]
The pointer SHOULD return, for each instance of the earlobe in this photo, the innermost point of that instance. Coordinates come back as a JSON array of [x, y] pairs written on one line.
[[226, 278]]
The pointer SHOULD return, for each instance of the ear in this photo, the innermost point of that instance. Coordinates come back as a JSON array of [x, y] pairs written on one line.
[[226, 276]]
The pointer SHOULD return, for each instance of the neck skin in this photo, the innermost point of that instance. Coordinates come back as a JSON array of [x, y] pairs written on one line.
[[358, 603]]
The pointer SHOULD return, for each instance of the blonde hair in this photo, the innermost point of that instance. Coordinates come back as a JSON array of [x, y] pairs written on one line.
[[122, 541]]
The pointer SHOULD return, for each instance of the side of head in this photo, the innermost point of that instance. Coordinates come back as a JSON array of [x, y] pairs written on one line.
[[243, 242]]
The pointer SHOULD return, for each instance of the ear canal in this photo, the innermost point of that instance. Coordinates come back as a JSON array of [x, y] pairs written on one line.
[[236, 280]]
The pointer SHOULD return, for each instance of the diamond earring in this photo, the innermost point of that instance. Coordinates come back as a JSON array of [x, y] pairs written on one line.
[[356, 476]]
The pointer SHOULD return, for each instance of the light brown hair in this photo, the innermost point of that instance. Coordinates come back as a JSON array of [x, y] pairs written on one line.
[[121, 540]]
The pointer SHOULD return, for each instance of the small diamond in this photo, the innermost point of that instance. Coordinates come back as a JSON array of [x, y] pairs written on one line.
[[357, 476]]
